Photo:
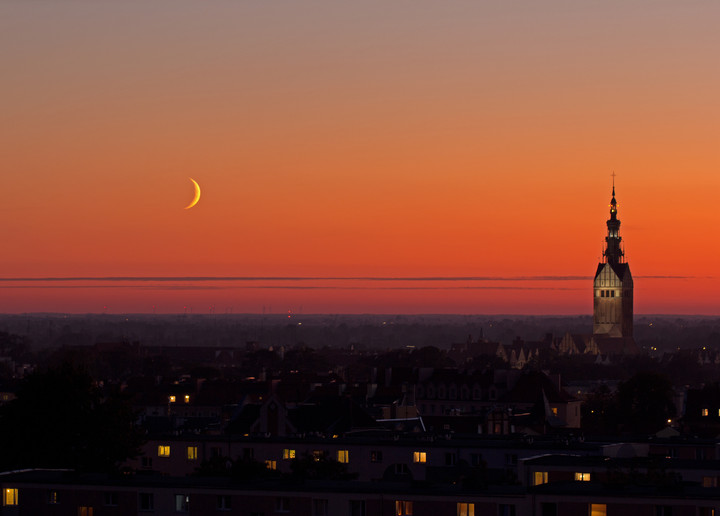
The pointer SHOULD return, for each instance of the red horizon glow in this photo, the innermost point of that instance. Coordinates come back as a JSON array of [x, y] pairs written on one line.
[[358, 140]]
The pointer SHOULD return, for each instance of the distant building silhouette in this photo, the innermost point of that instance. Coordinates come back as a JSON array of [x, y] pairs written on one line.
[[613, 285], [612, 303]]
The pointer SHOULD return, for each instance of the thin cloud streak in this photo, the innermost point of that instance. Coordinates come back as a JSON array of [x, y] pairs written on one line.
[[160, 279], [271, 287]]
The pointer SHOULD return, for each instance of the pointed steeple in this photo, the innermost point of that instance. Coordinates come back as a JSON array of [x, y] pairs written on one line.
[[613, 252], [613, 283]]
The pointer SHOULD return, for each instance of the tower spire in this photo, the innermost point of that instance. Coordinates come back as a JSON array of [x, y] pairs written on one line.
[[613, 284], [613, 251]]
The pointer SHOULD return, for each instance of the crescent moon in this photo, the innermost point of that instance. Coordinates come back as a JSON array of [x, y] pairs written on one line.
[[197, 194]]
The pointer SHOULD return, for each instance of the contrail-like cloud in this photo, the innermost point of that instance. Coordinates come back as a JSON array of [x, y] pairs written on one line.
[[327, 283], [278, 287], [160, 279]]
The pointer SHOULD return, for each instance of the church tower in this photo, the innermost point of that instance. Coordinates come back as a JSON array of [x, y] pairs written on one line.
[[613, 284]]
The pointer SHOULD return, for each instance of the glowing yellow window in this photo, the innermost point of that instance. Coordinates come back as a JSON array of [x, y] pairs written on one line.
[[582, 477], [705, 412], [420, 456], [10, 497], [403, 508], [598, 509], [466, 509], [540, 477], [85, 511], [192, 453], [187, 398], [343, 456], [271, 464], [288, 454], [554, 411], [163, 451], [171, 399]]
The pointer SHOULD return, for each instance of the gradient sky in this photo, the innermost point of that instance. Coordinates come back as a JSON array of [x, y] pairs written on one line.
[[471, 141]]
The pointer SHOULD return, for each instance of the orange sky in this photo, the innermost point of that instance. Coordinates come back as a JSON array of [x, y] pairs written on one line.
[[352, 140]]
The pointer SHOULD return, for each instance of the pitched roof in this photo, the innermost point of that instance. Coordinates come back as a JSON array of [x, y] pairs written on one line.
[[620, 269], [331, 415], [530, 385]]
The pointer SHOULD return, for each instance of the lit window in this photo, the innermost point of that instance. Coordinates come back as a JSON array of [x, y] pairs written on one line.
[[318, 455], [420, 456], [343, 456], [403, 508], [171, 399], [53, 497], [192, 453], [85, 511], [554, 411], [709, 482], [163, 451], [705, 412], [582, 477], [598, 509], [10, 497], [187, 398], [540, 477], [466, 509], [288, 454], [182, 503], [271, 464]]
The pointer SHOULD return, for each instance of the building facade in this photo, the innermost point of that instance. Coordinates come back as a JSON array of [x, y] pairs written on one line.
[[613, 284]]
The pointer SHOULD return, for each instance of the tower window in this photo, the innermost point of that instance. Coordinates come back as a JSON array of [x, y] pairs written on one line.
[[612, 293], [602, 293]]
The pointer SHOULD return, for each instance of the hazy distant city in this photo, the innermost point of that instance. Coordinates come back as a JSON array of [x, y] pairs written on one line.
[[359, 258]]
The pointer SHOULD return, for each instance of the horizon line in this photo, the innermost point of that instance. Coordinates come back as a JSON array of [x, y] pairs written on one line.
[[323, 278], [349, 314]]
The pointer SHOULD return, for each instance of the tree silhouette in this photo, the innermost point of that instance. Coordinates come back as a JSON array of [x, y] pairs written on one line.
[[62, 419], [645, 403]]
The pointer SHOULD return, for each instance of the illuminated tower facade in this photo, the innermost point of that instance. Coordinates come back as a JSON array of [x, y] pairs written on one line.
[[613, 284]]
